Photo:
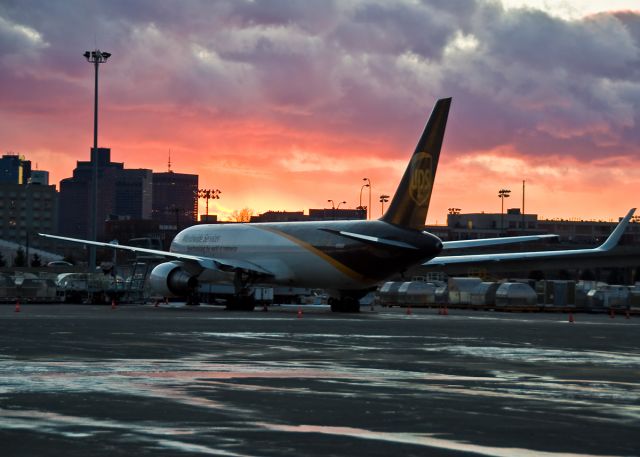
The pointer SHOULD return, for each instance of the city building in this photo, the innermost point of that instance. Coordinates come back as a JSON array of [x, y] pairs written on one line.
[[26, 210], [175, 200], [39, 177], [14, 169], [134, 193], [75, 195], [122, 194]]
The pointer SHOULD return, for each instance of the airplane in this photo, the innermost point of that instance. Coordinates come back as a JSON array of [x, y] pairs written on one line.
[[346, 258]]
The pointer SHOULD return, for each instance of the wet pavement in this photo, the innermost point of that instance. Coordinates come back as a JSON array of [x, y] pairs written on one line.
[[89, 380]]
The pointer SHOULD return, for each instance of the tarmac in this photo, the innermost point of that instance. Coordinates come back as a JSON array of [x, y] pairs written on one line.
[[301, 381]]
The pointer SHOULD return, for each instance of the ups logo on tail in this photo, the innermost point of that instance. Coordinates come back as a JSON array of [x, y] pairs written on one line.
[[421, 178]]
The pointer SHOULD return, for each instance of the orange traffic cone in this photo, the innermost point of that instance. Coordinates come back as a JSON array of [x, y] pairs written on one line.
[[409, 310], [113, 303], [17, 306], [445, 311], [299, 312], [571, 319]]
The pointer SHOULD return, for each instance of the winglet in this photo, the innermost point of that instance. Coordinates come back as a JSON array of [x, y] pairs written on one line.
[[615, 236], [411, 201]]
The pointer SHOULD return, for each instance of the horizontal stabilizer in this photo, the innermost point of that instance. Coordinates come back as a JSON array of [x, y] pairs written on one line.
[[372, 239]]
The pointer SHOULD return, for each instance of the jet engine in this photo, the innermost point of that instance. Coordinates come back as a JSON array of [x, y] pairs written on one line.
[[169, 279]]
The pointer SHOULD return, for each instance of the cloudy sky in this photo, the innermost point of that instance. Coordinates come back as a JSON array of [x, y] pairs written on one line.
[[284, 105]]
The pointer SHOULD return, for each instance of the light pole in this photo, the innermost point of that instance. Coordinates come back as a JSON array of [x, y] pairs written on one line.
[[208, 194], [340, 203], [383, 200], [95, 57], [369, 186], [502, 194], [333, 205], [363, 186]]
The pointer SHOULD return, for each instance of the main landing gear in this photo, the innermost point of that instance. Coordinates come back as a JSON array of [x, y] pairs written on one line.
[[242, 299]]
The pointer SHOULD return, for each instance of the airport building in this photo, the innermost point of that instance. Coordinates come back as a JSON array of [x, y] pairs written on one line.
[[513, 222], [328, 214]]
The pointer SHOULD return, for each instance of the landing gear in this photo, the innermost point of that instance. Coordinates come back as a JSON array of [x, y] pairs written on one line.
[[193, 299], [243, 298], [345, 304]]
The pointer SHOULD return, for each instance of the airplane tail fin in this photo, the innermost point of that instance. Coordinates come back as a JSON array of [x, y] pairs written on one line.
[[411, 200]]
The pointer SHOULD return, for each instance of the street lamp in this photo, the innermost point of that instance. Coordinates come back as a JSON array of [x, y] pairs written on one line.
[[208, 194], [95, 57], [502, 194], [333, 205], [340, 203], [369, 186], [383, 200], [363, 186]]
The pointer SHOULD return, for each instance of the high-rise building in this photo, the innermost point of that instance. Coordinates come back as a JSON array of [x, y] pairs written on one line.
[[175, 199], [134, 190], [14, 169], [75, 195]]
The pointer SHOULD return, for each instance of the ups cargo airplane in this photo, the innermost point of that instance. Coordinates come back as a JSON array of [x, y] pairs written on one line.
[[346, 258]]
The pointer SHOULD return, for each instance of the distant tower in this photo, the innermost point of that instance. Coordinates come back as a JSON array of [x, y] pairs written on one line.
[[169, 163]]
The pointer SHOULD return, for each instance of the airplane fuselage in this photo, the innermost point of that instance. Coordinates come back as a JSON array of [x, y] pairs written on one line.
[[339, 255]]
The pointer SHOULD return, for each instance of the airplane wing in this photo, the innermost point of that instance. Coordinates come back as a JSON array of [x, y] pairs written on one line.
[[480, 259], [205, 263], [463, 244]]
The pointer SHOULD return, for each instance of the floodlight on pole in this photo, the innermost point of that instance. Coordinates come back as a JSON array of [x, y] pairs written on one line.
[[96, 57], [383, 200], [502, 194], [369, 186], [363, 186], [208, 194]]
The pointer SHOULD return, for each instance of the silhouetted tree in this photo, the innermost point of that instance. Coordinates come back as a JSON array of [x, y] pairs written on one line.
[[3, 262], [20, 259], [242, 215]]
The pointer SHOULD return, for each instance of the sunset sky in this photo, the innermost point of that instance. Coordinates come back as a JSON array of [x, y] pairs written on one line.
[[283, 105]]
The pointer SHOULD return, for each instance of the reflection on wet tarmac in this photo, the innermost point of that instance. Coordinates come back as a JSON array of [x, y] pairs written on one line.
[[357, 385], [422, 440]]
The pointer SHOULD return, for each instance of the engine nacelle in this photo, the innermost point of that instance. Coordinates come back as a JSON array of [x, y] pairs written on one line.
[[169, 279]]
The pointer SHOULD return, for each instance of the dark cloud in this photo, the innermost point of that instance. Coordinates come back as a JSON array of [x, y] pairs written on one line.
[[371, 69]]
